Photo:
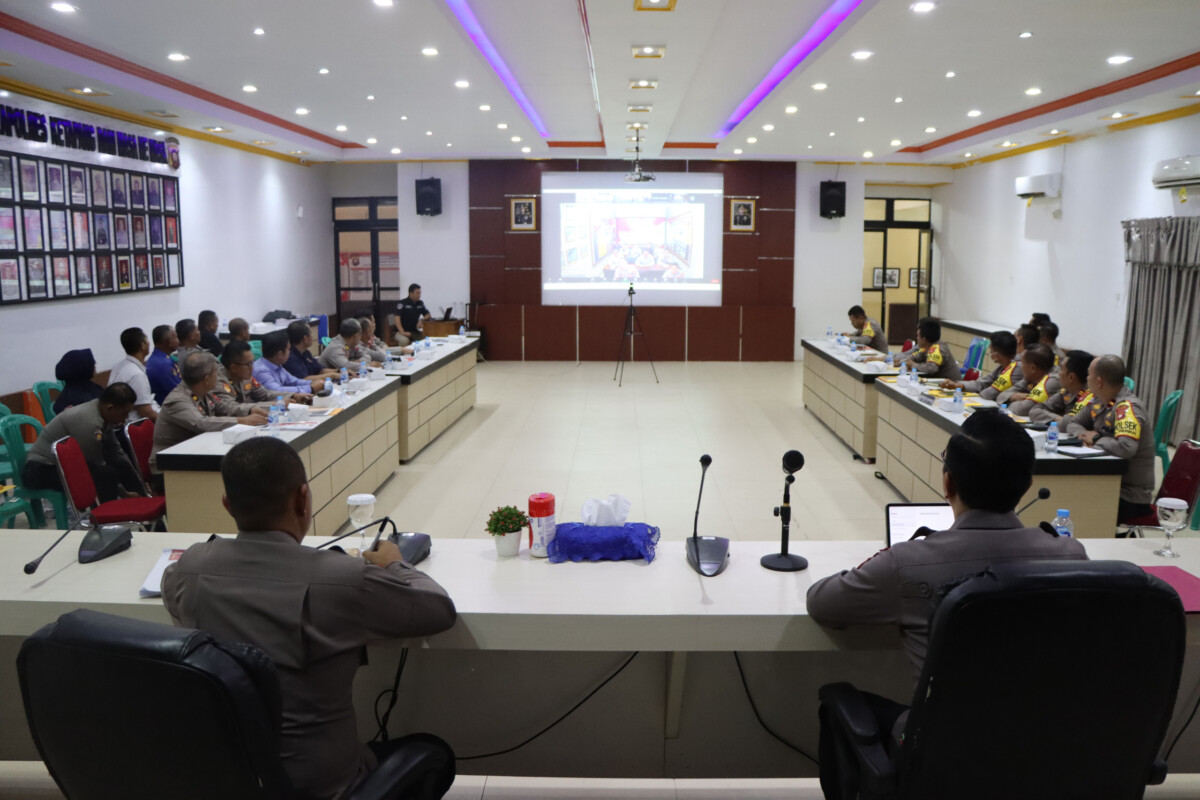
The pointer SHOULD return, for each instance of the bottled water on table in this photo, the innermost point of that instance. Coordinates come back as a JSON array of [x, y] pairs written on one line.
[[363, 369], [958, 400], [1052, 438], [1062, 523], [345, 376]]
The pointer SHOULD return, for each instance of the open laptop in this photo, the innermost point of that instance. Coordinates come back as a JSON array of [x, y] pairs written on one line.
[[903, 519]]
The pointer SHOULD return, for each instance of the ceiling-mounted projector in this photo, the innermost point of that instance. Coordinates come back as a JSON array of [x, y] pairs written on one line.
[[637, 176]]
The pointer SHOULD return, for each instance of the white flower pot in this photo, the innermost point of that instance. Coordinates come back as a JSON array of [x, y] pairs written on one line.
[[508, 544]]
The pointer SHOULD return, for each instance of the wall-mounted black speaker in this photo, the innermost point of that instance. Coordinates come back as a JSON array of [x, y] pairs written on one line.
[[429, 196], [833, 199]]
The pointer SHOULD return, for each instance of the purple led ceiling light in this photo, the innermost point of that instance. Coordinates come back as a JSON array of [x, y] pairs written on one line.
[[466, 18], [828, 22]]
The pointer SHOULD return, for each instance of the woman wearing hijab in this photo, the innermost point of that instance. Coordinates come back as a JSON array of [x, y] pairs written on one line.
[[76, 370]]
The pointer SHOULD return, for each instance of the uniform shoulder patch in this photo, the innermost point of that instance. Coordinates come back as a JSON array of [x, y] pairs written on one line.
[[1126, 422], [227, 387]]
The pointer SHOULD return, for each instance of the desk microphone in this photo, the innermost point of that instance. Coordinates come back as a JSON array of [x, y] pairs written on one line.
[[381, 522], [32, 566], [1043, 494], [708, 555], [793, 462]]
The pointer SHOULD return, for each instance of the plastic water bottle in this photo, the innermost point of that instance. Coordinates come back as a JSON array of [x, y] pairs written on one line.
[[275, 413], [958, 401], [462, 330], [387, 360], [1052, 438], [853, 347], [1062, 523], [363, 370], [345, 376], [1004, 409], [891, 360], [829, 333], [903, 379]]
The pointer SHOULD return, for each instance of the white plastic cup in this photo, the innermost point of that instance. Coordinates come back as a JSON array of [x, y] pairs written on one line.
[[362, 509]]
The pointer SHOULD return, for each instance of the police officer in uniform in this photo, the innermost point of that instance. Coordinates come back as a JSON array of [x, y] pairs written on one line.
[[866, 330], [931, 358], [1074, 394], [236, 381], [1006, 375], [1039, 384]]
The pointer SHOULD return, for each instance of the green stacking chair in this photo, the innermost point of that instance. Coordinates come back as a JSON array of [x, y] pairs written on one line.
[[1130, 384], [325, 340], [1162, 426], [10, 432], [42, 390], [256, 348], [15, 507]]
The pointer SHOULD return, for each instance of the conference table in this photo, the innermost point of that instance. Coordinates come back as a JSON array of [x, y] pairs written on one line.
[[533, 639], [353, 450], [837, 389]]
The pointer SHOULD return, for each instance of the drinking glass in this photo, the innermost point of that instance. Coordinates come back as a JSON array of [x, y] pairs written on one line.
[[1172, 515]]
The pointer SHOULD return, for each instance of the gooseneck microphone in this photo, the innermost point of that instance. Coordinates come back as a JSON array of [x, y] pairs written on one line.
[[1043, 494], [32, 566], [708, 555], [793, 462], [381, 522]]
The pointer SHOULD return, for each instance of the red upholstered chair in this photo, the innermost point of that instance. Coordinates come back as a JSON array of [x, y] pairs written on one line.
[[908, 345], [1181, 481], [81, 491], [140, 435], [970, 375]]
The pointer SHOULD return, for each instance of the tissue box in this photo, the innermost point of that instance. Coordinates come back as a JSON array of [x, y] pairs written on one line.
[[574, 541], [377, 374], [328, 401], [237, 433]]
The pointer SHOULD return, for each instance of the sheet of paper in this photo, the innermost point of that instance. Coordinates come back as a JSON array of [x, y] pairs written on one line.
[[153, 585], [1080, 452]]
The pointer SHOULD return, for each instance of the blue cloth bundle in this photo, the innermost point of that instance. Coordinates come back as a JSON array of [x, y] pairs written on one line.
[[574, 541]]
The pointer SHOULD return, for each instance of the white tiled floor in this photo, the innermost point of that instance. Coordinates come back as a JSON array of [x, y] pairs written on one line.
[[570, 430]]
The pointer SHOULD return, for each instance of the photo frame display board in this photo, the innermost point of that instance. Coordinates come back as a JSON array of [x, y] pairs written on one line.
[[741, 214], [522, 214]]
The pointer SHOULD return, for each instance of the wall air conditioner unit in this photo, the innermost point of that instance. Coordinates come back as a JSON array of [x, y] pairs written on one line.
[[1039, 185], [1182, 171]]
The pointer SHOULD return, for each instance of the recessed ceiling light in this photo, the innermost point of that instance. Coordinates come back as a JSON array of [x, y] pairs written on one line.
[[1056, 131], [372, 140], [832, 133], [64, 8], [302, 111], [177, 57], [429, 51], [895, 142], [967, 155], [737, 151], [259, 32], [931, 129], [649, 51], [160, 133], [1007, 143], [643, 84], [449, 144], [1118, 115], [768, 127], [861, 55], [384, 3], [1117, 60], [974, 112], [298, 152], [1025, 35], [820, 87], [793, 109], [323, 71], [85, 90], [403, 118], [502, 126], [899, 99], [641, 108], [216, 129], [89, 91], [868, 154], [395, 151], [485, 107], [810, 147], [923, 7], [950, 74], [751, 139], [1033, 91], [525, 149], [515, 139], [249, 87], [461, 84], [370, 97], [3, 93], [862, 119], [341, 128], [262, 142], [429, 133], [158, 112]]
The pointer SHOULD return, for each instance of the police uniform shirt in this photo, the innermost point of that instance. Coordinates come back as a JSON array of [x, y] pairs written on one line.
[[336, 355], [185, 415], [1060, 405], [1126, 431], [1000, 379], [247, 391], [82, 423], [936, 361], [871, 334], [1042, 391]]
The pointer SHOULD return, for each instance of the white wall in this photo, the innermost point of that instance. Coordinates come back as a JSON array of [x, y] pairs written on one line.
[[245, 252], [435, 251], [1000, 260]]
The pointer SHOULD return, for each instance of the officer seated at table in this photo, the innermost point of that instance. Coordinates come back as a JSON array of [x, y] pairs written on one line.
[[866, 331], [1006, 375]]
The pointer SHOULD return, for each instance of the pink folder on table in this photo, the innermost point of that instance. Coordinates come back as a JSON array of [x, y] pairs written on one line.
[[1183, 582]]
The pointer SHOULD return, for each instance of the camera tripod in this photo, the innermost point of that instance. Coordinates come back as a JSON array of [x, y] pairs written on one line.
[[632, 321]]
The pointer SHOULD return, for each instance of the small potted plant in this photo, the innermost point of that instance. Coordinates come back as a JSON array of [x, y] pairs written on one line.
[[506, 524]]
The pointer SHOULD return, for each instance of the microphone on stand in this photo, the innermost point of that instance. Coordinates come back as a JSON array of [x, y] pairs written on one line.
[[708, 555], [793, 462], [1043, 494], [381, 522], [32, 566]]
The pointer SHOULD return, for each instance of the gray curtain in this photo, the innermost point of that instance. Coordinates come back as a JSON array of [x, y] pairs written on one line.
[[1162, 326]]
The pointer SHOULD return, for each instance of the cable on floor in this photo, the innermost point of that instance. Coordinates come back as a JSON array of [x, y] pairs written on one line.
[[758, 716]]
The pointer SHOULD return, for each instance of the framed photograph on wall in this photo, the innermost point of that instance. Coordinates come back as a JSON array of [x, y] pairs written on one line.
[[30, 188], [141, 268], [139, 231], [33, 228], [172, 232], [35, 277], [99, 187], [170, 203], [156, 232], [154, 192], [121, 231], [10, 280], [6, 178], [916, 278], [522, 214], [124, 274], [61, 267], [157, 271], [741, 215], [83, 275], [891, 278], [8, 228], [78, 186], [137, 191], [174, 275], [81, 228], [120, 195], [55, 184], [101, 230], [104, 274], [877, 278], [58, 228]]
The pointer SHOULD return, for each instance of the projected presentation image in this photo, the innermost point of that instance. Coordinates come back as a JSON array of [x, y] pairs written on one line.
[[612, 236]]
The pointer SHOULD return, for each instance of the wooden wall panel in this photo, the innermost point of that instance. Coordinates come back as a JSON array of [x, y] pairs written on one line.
[[501, 326], [487, 279], [522, 249], [777, 184], [550, 333], [740, 251], [740, 288], [713, 334], [776, 233], [665, 333], [487, 231], [767, 334], [600, 332], [486, 181], [741, 182], [523, 287], [775, 279]]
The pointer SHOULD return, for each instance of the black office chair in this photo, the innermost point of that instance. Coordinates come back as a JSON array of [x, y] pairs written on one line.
[[122, 709], [1047, 679]]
